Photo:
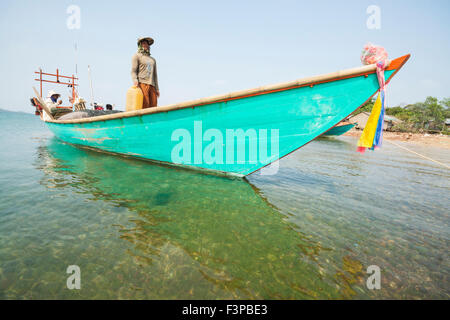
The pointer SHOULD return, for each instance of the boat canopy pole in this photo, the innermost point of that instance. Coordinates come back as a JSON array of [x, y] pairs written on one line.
[[76, 58], [90, 81]]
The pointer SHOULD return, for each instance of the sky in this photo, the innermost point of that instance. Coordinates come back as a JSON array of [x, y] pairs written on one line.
[[205, 48]]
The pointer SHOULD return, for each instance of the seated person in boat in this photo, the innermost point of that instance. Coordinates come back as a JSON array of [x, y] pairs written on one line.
[[97, 107], [52, 99], [143, 72], [52, 103]]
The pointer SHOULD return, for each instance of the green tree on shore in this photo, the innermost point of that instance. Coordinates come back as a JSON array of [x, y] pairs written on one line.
[[366, 107], [428, 115]]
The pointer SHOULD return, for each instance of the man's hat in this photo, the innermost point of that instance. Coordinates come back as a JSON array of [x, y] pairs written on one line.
[[150, 40], [53, 93]]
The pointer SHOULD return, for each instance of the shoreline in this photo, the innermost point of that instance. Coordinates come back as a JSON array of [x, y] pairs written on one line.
[[425, 139]]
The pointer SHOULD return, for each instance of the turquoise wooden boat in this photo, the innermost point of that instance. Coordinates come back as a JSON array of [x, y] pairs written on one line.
[[237, 133], [339, 130]]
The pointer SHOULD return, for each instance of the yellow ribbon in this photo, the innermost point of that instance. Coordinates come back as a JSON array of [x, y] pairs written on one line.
[[368, 134]]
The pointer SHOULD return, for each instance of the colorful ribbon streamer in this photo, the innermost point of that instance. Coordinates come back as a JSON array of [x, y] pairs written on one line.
[[372, 135]]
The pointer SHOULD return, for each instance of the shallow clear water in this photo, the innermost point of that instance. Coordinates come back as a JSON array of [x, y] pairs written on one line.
[[139, 230]]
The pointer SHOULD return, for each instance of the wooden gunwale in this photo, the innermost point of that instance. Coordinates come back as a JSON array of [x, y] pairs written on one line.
[[310, 81]]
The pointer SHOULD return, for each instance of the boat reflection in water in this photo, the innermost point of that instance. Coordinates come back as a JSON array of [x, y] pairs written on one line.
[[154, 232]]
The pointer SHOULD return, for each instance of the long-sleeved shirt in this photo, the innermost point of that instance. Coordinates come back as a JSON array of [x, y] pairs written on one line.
[[143, 69], [52, 106]]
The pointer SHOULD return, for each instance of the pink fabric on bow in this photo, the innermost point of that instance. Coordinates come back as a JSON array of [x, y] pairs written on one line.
[[372, 54], [381, 65]]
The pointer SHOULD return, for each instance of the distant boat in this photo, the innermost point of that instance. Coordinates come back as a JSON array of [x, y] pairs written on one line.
[[225, 131], [339, 129]]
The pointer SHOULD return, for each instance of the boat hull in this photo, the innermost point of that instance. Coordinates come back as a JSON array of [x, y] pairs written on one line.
[[277, 123], [339, 130]]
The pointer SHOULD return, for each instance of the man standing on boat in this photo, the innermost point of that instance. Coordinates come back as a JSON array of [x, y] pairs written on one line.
[[143, 72]]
